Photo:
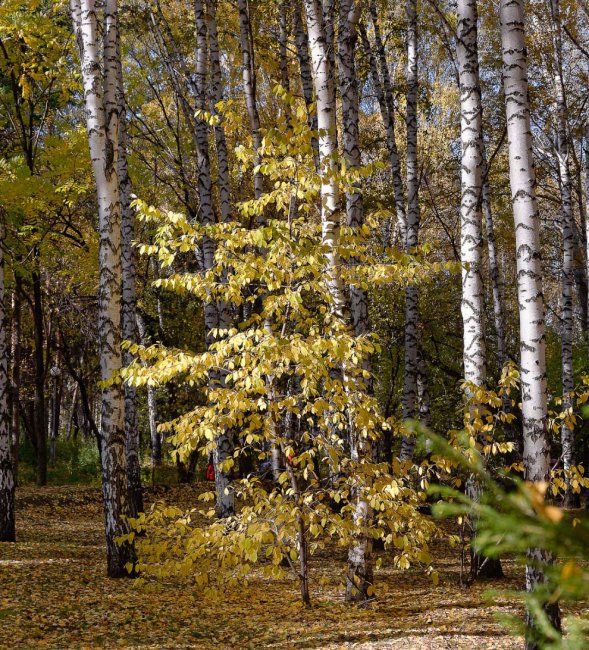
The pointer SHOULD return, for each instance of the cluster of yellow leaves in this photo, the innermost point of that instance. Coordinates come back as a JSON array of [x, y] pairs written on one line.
[[276, 380]]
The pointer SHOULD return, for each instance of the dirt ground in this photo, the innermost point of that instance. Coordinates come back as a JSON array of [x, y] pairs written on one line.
[[54, 594]]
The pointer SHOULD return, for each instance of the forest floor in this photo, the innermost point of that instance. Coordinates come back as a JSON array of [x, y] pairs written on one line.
[[54, 594]]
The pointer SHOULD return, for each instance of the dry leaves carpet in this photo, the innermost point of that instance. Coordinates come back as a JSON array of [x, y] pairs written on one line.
[[54, 594]]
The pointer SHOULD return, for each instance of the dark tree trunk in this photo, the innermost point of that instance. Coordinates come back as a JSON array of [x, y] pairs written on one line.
[[40, 428]]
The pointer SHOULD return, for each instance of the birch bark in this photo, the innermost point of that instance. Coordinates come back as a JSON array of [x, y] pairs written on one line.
[[412, 238], [99, 76], [359, 584], [128, 299], [568, 249], [324, 81], [536, 454], [471, 136], [249, 87], [223, 451], [302, 45], [389, 121], [216, 96]]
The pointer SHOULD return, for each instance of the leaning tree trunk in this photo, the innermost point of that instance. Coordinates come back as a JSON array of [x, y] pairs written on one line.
[[412, 238], [7, 525], [568, 252], [99, 75], [359, 583], [522, 178]]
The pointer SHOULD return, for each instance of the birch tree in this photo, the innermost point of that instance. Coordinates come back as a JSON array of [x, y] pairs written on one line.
[[324, 81], [471, 136], [360, 573], [568, 247], [249, 87], [99, 77], [471, 246], [223, 444], [536, 452], [306, 74], [412, 236], [129, 298], [216, 97], [494, 274], [381, 79]]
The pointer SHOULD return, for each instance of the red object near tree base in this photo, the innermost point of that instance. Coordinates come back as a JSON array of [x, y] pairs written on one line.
[[210, 473]]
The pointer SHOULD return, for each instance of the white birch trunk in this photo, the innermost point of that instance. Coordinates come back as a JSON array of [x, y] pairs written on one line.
[[155, 435], [568, 249], [302, 45], [324, 80], [536, 454], [360, 571], [249, 87], [412, 238], [216, 93], [494, 274], [471, 136], [225, 505], [129, 300], [388, 108], [99, 75], [471, 249]]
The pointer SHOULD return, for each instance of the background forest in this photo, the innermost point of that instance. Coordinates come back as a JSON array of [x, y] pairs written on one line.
[[313, 313]]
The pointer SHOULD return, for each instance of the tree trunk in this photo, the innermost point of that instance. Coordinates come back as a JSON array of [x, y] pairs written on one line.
[[471, 129], [586, 192], [522, 177], [306, 74], [359, 583], [224, 448], [16, 361], [412, 238], [102, 117], [7, 521], [216, 93], [494, 274], [40, 421], [155, 435], [55, 373], [567, 437], [384, 89], [249, 87], [471, 248], [128, 297], [324, 79]]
